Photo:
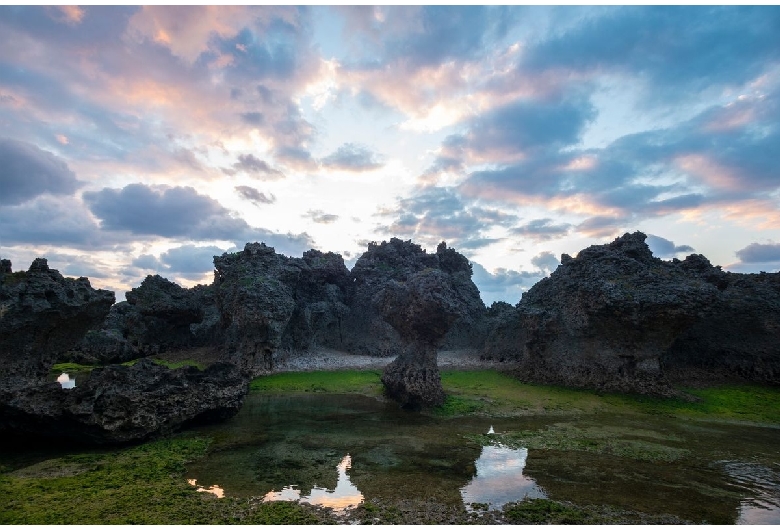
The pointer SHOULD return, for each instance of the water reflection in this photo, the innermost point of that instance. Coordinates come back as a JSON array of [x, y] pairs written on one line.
[[499, 479], [762, 506], [65, 381], [214, 490], [344, 496]]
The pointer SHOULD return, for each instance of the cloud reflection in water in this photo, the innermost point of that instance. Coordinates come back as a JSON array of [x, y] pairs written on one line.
[[499, 479]]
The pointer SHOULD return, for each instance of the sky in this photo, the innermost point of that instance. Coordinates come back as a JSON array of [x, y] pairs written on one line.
[[146, 140]]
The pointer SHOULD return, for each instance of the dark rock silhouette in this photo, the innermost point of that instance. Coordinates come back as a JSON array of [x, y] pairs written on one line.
[[119, 404], [158, 316], [405, 300], [42, 314], [616, 318], [268, 301]]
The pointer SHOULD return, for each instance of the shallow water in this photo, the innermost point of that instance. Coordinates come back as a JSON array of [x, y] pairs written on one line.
[[339, 450]]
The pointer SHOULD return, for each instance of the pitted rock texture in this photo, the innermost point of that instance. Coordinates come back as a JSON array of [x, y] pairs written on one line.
[[120, 404], [606, 318], [368, 332], [158, 316], [268, 301], [418, 296], [42, 314]]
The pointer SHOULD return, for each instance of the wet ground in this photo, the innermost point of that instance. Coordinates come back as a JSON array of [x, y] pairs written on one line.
[[342, 451]]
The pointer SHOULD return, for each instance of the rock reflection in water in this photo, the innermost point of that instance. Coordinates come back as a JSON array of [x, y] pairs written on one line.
[[344, 496], [499, 479]]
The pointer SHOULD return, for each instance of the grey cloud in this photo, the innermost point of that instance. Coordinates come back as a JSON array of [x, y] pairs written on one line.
[[253, 118], [503, 285], [524, 124], [542, 230], [255, 196], [679, 50], [250, 164], [147, 262], [352, 157], [480, 242], [167, 212], [760, 253], [190, 259], [51, 220], [601, 226], [318, 216], [440, 213], [663, 248], [545, 261], [27, 171]]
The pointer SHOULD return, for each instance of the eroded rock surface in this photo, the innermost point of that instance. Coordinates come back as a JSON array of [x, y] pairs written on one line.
[[268, 301], [119, 404], [408, 299], [42, 314], [606, 318]]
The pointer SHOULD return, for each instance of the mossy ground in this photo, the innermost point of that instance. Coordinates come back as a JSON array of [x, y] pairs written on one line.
[[86, 368], [147, 484], [140, 485], [364, 382]]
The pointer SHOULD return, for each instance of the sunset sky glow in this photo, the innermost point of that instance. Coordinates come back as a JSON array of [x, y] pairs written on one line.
[[145, 140]]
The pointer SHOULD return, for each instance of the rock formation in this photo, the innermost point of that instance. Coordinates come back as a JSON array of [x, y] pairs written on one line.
[[268, 301], [606, 318], [405, 301], [158, 316], [42, 314], [119, 404], [616, 318]]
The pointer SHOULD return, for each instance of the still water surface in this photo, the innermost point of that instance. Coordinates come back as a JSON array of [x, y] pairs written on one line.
[[338, 451]]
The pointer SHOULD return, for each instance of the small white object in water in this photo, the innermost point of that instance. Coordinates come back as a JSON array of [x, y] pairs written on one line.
[[491, 431], [65, 381]]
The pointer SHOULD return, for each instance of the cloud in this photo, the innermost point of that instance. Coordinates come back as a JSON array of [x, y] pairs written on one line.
[[27, 171], [542, 230], [546, 261], [601, 226], [502, 284], [661, 44], [352, 157], [320, 217], [58, 221], [663, 248], [252, 165], [163, 211], [434, 214], [190, 260], [147, 262], [255, 196], [760, 253]]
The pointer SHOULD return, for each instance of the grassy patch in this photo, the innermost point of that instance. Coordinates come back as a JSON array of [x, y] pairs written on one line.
[[71, 367], [142, 485], [499, 394], [170, 364], [752, 403], [624, 442], [347, 381]]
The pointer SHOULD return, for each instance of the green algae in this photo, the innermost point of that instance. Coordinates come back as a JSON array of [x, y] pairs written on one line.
[[140, 485], [366, 382]]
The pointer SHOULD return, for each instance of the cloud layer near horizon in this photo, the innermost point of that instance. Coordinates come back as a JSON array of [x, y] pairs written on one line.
[[153, 136]]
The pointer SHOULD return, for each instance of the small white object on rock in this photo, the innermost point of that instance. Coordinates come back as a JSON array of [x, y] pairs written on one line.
[[66, 381]]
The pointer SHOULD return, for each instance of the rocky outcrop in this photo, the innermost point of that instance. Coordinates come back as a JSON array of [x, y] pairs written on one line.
[[606, 318], [365, 329], [42, 314], [158, 316], [268, 301], [119, 404], [738, 338], [404, 301]]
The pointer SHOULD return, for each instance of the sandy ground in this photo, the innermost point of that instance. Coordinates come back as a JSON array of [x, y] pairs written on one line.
[[328, 359]]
